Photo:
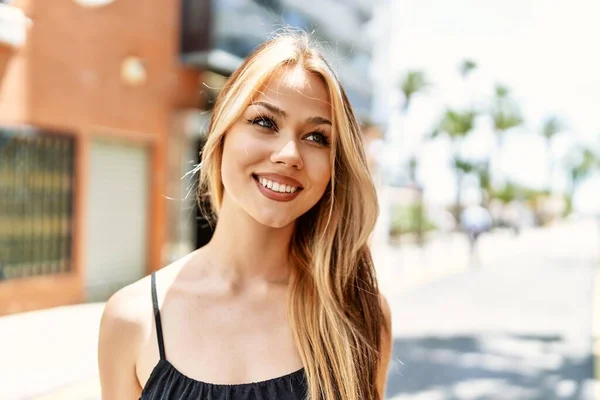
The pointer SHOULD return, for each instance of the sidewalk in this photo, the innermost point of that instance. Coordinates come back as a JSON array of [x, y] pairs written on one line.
[[51, 354], [400, 269], [48, 351]]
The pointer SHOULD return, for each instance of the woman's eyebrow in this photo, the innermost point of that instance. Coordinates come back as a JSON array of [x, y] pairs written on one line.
[[318, 121], [271, 107], [274, 109]]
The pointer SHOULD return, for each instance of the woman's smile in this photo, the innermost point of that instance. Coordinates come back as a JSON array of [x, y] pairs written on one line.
[[278, 187]]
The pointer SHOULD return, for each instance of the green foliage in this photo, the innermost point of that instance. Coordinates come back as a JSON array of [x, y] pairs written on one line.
[[455, 124], [483, 173], [463, 166], [466, 67], [582, 162], [507, 194], [501, 91], [552, 126], [412, 83], [569, 204], [405, 219], [512, 191], [412, 168], [505, 112]]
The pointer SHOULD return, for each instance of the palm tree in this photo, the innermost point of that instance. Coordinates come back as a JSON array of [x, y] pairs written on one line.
[[466, 67], [552, 126], [485, 184], [412, 168], [506, 115], [462, 168], [583, 162], [411, 84], [456, 125]]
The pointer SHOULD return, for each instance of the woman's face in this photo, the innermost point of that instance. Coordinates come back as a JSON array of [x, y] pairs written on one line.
[[276, 158]]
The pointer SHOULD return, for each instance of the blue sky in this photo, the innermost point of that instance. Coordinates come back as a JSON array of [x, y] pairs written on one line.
[[544, 50]]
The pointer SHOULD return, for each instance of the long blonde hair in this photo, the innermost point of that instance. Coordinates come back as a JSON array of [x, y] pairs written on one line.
[[334, 304]]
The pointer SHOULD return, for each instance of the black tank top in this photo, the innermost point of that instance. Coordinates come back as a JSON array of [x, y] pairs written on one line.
[[167, 383]]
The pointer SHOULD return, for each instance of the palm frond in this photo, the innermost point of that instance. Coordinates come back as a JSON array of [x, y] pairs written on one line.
[[552, 126], [412, 83], [466, 67]]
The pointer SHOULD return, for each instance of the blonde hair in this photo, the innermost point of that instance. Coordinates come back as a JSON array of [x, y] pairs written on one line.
[[334, 305]]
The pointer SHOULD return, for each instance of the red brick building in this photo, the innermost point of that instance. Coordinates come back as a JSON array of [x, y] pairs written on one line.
[[100, 88]]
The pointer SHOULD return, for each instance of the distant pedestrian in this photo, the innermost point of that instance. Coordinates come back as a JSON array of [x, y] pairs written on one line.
[[475, 220], [285, 293]]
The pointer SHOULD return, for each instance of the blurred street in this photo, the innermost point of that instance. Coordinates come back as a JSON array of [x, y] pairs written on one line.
[[516, 327], [519, 327]]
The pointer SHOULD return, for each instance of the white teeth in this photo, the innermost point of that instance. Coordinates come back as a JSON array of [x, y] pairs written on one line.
[[276, 186]]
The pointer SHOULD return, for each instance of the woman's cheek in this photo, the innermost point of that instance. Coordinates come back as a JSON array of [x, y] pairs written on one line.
[[321, 170], [248, 148]]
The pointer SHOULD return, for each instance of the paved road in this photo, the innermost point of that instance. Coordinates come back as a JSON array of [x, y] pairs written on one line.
[[518, 327]]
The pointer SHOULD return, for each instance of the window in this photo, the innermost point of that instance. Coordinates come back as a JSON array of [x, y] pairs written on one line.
[[36, 203]]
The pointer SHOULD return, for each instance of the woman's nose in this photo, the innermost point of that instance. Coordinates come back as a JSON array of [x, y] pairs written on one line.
[[288, 154]]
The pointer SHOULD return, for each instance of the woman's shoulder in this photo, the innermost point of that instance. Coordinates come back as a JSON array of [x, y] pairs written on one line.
[[125, 322], [129, 311]]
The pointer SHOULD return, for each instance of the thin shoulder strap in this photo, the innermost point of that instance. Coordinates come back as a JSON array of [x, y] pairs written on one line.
[[159, 333]]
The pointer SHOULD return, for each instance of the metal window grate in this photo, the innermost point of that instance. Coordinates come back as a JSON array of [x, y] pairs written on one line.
[[36, 203]]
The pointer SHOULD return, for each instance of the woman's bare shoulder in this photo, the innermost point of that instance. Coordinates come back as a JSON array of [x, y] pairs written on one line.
[[130, 308], [127, 314], [125, 322]]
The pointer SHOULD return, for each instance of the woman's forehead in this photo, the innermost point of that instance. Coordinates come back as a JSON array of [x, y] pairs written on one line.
[[294, 84]]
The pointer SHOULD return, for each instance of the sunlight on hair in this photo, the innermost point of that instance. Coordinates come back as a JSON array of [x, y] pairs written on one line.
[[334, 302]]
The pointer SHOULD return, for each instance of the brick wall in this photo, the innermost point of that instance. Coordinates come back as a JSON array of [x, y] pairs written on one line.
[[68, 77]]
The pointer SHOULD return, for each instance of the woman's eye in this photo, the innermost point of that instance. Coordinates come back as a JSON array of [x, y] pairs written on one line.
[[264, 122], [318, 138]]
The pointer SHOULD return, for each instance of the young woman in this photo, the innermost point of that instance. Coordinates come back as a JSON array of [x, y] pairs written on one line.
[[283, 302]]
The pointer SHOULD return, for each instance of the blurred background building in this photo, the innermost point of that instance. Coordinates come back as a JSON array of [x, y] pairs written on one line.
[[103, 111]]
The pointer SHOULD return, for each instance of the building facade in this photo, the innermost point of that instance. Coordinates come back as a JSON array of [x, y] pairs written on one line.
[[86, 107], [103, 110]]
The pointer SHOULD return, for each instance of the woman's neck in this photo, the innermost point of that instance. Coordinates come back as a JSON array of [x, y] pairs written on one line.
[[244, 249]]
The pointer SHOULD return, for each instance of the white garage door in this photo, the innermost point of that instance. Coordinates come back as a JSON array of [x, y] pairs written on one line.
[[117, 212]]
